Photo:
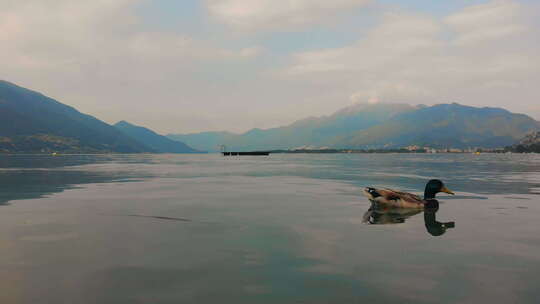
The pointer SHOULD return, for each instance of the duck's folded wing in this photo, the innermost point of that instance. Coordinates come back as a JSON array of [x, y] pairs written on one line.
[[390, 194]]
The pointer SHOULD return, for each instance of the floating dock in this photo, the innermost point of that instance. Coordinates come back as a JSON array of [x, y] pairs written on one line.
[[255, 153], [252, 153]]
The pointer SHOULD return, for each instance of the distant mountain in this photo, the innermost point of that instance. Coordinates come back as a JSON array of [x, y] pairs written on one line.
[[382, 126], [530, 143], [314, 131], [149, 138], [446, 125], [32, 122], [206, 141]]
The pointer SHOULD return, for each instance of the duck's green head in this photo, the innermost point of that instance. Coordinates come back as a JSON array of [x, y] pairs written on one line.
[[435, 186]]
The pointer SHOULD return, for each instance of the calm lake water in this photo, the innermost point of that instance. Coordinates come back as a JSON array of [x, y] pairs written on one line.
[[278, 229]]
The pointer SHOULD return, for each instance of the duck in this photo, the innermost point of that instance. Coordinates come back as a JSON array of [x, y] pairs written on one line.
[[398, 199]]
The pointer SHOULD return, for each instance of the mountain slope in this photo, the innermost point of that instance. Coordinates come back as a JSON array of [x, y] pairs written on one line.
[[382, 126], [446, 125], [206, 141], [32, 122], [153, 140], [530, 143], [315, 131]]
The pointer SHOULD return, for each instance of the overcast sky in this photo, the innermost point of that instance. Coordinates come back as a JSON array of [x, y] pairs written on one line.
[[180, 66]]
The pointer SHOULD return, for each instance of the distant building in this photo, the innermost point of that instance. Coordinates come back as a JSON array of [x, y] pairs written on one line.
[[413, 148]]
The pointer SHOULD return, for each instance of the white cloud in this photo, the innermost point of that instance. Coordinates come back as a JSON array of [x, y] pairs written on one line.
[[363, 97], [180, 47], [485, 55], [280, 15], [55, 32], [487, 22], [100, 57]]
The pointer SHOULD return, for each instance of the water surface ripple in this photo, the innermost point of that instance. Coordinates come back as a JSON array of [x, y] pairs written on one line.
[[278, 229]]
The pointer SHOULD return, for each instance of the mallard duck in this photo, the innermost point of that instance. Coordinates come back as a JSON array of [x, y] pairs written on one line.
[[398, 199]]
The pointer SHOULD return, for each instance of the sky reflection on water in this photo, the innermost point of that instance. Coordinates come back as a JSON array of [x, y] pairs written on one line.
[[283, 229]]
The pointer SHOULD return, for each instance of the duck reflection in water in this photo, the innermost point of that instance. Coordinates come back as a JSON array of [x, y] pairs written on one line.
[[382, 215], [434, 227]]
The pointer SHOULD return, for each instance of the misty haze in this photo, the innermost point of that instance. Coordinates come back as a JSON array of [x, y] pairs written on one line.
[[263, 151]]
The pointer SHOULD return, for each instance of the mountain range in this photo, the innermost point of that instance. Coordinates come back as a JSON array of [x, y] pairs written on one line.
[[375, 126], [159, 143], [31, 122]]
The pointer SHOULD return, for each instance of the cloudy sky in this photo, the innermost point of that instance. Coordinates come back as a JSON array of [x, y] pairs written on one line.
[[197, 65]]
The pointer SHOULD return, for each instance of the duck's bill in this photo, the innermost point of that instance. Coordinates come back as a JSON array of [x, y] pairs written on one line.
[[449, 225], [446, 190]]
